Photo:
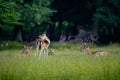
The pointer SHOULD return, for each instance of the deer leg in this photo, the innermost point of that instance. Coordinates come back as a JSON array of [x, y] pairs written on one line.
[[37, 51], [38, 48], [46, 51], [41, 49]]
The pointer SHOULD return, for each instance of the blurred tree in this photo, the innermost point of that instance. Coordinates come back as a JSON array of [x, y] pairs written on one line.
[[8, 15], [24, 15], [100, 16], [34, 13], [106, 19]]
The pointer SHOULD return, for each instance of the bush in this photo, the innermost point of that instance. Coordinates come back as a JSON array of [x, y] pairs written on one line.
[[10, 45]]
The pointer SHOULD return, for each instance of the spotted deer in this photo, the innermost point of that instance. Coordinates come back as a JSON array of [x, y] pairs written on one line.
[[87, 49], [26, 50], [41, 44]]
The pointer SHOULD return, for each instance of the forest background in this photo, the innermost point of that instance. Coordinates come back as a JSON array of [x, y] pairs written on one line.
[[24, 20]]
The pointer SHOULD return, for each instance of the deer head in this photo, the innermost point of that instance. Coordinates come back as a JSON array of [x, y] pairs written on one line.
[[43, 36], [84, 47]]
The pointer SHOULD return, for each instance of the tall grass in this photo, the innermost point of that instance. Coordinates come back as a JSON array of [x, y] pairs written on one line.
[[68, 63]]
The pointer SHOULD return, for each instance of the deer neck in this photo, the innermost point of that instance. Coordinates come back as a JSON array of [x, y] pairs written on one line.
[[89, 51]]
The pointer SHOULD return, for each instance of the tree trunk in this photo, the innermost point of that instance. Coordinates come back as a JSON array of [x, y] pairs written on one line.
[[96, 26], [52, 30], [59, 28], [95, 33], [1, 33], [18, 33]]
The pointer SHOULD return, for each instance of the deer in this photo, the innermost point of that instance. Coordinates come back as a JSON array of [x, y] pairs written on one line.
[[51, 52], [87, 49], [26, 50], [41, 44]]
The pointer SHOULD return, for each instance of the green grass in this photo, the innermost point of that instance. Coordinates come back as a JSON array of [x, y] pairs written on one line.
[[68, 63]]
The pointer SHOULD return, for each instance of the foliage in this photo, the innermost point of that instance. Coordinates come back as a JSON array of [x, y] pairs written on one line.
[[56, 24], [35, 13], [106, 18], [108, 15], [9, 16], [101, 16], [28, 14], [65, 25], [10, 45]]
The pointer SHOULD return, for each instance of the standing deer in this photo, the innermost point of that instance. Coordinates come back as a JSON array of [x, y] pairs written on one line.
[[41, 44], [90, 52]]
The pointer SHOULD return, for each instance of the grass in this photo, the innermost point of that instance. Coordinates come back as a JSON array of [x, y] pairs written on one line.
[[68, 63]]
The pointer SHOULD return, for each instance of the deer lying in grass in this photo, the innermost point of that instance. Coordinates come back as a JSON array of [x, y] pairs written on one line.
[[97, 53], [51, 52], [26, 50]]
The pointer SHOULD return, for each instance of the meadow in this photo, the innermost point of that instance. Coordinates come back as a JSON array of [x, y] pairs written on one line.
[[68, 63]]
